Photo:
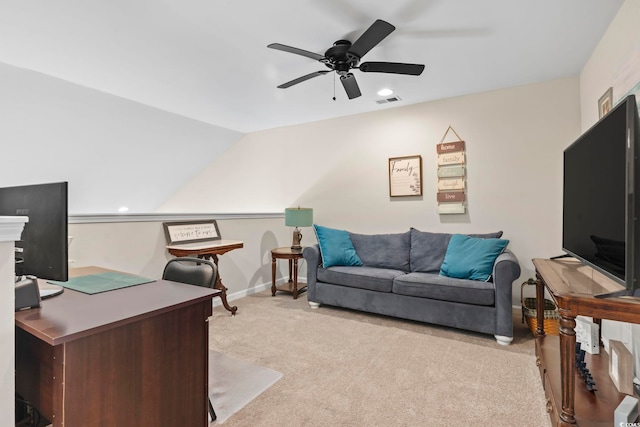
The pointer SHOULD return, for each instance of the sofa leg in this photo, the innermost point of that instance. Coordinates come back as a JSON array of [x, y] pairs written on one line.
[[502, 340], [314, 304]]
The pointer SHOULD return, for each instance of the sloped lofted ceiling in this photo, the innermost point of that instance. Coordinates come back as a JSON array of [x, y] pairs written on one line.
[[208, 60]]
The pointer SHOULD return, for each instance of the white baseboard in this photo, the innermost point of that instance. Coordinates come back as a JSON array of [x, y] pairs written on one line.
[[250, 291], [243, 293]]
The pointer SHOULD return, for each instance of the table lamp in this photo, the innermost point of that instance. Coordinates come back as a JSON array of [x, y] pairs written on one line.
[[298, 217]]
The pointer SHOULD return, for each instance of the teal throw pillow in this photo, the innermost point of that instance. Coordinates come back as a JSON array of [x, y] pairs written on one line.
[[336, 247], [471, 257]]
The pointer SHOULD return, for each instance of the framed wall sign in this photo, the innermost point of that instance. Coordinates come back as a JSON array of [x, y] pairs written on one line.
[[405, 176], [621, 367], [191, 231], [605, 103]]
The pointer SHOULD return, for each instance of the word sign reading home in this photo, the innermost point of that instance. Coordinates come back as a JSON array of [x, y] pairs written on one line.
[[451, 175]]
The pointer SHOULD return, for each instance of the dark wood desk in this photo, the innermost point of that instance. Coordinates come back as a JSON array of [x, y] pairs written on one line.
[[209, 250], [573, 286], [129, 357]]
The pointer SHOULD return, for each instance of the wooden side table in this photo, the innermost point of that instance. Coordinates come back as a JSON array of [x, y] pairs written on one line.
[[209, 250], [292, 285]]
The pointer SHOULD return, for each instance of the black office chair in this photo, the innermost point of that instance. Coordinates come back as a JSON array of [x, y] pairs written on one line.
[[193, 271]]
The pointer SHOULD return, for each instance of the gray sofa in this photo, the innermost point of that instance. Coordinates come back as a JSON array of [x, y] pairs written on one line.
[[400, 277]]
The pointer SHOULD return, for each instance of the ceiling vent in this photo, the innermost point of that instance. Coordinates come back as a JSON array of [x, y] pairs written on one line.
[[387, 100]]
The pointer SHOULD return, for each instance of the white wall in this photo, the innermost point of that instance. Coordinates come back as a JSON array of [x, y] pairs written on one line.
[[139, 248], [514, 139], [7, 334], [614, 63], [10, 230], [114, 152]]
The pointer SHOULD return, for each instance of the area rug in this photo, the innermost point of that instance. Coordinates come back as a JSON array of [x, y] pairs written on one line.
[[233, 383]]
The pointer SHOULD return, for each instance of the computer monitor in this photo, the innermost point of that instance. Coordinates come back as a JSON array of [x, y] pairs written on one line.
[[43, 248]]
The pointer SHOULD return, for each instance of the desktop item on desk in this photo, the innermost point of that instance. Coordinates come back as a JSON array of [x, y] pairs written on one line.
[[298, 217], [27, 293]]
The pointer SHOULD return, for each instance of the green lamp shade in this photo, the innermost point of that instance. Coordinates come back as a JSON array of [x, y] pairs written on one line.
[[298, 217]]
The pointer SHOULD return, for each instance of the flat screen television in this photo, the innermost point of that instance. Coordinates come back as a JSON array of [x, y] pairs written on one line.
[[601, 177], [43, 248]]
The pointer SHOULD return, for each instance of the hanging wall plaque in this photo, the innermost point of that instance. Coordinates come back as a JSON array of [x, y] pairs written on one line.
[[451, 195]]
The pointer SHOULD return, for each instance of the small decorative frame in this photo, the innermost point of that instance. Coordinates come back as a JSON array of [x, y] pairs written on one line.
[[405, 176], [605, 103], [621, 367], [191, 231]]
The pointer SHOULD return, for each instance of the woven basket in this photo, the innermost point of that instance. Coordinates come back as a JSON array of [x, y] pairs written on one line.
[[530, 314]]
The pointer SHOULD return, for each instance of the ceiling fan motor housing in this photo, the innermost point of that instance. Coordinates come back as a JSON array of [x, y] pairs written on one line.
[[339, 57]]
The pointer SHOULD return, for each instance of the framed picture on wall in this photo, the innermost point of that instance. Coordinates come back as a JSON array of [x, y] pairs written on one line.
[[605, 103], [405, 176], [191, 231]]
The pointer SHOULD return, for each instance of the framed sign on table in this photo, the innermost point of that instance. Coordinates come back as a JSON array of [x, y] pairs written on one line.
[[405, 176], [191, 231]]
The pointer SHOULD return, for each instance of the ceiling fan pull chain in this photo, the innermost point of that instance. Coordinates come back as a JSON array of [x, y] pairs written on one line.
[[334, 86]]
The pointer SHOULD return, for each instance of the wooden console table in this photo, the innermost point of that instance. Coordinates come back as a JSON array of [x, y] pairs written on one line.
[[209, 250], [573, 287]]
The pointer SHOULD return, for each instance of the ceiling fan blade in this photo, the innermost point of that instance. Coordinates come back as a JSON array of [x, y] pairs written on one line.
[[285, 48], [350, 85], [391, 67], [370, 38], [303, 78]]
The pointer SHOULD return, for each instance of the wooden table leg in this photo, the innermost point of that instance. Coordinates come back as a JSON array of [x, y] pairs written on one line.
[[219, 285], [295, 277], [273, 276], [567, 367]]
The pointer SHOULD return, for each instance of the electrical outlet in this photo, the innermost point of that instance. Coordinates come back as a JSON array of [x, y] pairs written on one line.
[[587, 334]]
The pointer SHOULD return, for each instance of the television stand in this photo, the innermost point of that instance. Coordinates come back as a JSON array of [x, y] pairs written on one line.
[[560, 256], [574, 287]]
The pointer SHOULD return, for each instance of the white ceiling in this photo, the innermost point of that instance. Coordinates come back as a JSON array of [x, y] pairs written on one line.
[[208, 60]]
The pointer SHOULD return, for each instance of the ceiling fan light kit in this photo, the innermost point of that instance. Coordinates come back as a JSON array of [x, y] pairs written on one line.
[[345, 56]]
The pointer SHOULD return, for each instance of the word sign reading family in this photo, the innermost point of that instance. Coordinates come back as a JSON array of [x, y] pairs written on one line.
[[451, 176], [405, 176]]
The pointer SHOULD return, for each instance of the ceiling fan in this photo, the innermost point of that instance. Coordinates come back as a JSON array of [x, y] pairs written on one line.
[[345, 56]]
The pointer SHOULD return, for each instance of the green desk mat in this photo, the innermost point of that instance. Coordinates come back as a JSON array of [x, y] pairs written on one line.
[[102, 282]]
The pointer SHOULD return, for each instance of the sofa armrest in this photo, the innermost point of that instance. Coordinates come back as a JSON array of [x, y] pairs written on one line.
[[313, 258], [506, 270]]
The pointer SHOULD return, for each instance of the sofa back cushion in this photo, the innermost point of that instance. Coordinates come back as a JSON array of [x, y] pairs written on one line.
[[428, 249], [383, 250]]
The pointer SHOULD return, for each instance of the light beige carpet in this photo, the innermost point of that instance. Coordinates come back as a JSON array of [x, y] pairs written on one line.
[[234, 382], [345, 368]]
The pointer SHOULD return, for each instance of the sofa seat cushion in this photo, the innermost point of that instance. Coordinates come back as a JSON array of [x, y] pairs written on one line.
[[434, 286], [374, 279]]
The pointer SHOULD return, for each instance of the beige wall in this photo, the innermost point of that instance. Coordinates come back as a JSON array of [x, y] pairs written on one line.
[[139, 248], [614, 63], [7, 335], [514, 140]]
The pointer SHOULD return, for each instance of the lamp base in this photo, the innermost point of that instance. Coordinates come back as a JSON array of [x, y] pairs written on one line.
[[297, 237]]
